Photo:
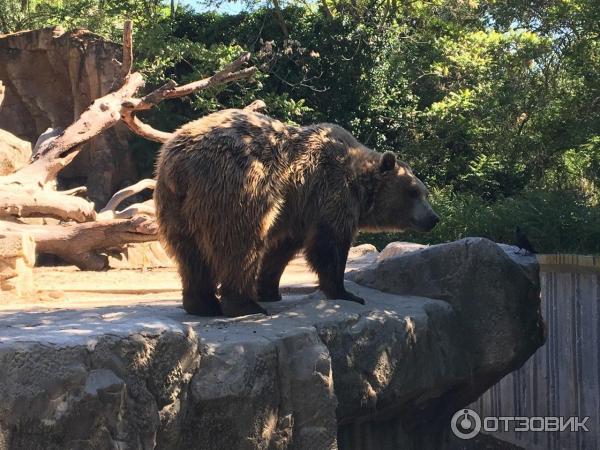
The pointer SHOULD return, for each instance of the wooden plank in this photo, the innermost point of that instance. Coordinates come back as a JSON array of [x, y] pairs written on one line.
[[563, 377]]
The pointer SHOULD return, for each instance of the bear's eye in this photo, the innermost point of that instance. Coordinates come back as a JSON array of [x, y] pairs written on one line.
[[413, 193]]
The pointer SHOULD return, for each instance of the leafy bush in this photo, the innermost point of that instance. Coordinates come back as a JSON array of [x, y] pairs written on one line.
[[555, 221], [494, 104]]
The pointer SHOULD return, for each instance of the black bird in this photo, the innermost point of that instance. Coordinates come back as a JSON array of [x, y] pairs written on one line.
[[522, 242]]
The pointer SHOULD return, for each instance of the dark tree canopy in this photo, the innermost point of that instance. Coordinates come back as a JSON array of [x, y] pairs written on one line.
[[494, 104]]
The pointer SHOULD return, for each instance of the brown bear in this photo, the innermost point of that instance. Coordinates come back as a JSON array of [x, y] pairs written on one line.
[[238, 194]]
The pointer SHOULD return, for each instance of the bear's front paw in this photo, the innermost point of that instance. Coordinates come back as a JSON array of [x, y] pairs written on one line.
[[353, 298], [241, 308], [345, 295]]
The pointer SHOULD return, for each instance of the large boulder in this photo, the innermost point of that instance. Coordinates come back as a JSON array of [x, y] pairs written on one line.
[[315, 374], [495, 298], [50, 77]]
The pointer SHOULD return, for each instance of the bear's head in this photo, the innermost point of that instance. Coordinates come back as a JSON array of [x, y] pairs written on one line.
[[399, 200]]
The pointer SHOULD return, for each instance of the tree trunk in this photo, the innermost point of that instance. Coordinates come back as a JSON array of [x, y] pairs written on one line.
[[280, 20]]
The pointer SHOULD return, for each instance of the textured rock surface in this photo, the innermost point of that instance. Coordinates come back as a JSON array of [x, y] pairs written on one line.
[[14, 152], [17, 258], [399, 248], [315, 374], [50, 76]]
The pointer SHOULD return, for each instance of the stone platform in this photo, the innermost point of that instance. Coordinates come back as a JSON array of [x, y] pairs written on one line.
[[440, 326]]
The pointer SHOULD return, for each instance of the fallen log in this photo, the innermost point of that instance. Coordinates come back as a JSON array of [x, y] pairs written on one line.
[[19, 201], [83, 244]]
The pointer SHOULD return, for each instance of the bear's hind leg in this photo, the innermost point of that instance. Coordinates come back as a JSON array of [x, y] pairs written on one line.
[[197, 280], [327, 255], [273, 264]]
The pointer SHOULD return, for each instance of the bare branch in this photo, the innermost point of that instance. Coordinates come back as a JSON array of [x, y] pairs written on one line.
[[127, 192], [75, 191], [127, 62], [171, 90], [102, 114], [45, 140], [142, 129], [155, 96], [235, 65], [145, 208]]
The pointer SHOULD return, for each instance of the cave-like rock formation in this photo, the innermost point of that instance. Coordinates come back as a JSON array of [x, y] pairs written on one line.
[[50, 77]]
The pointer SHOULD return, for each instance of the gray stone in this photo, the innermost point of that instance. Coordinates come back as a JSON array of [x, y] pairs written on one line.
[[495, 299], [315, 374], [399, 248]]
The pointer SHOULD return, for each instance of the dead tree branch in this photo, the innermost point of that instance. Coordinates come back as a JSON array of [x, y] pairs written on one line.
[[82, 244], [110, 210], [231, 72], [44, 203], [127, 62]]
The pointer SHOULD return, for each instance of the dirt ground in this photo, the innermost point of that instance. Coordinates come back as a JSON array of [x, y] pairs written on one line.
[[69, 287]]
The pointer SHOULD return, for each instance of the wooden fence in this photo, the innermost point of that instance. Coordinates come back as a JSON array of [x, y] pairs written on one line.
[[563, 377]]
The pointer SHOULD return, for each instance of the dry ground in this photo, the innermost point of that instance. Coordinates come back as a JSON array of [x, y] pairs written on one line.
[[68, 287]]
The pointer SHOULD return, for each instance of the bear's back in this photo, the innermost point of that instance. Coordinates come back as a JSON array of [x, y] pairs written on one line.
[[238, 132], [240, 147], [253, 134]]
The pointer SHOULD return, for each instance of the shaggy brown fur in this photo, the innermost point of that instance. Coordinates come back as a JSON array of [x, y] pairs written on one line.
[[239, 193]]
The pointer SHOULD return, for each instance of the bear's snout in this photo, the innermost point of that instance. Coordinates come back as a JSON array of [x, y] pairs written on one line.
[[427, 223], [431, 222], [423, 217]]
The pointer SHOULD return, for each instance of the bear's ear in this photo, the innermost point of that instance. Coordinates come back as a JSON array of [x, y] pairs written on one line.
[[388, 162]]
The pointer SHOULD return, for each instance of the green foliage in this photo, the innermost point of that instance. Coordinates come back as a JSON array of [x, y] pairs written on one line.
[[555, 221], [491, 102], [101, 16]]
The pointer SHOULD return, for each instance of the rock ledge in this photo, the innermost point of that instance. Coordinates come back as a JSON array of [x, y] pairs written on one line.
[[452, 321]]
